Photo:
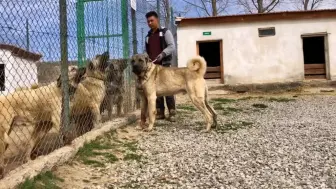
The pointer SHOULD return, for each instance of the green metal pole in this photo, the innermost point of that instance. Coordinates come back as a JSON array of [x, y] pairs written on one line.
[[80, 33], [125, 31], [125, 40], [27, 34], [64, 67]]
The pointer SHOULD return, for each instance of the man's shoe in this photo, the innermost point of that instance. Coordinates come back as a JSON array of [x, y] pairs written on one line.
[[172, 115], [160, 114]]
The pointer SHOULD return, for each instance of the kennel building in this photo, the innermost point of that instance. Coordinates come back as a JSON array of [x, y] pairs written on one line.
[[15, 65], [262, 48]]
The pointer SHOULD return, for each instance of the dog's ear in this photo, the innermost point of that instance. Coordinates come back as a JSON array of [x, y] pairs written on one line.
[[90, 66], [59, 81], [147, 59], [79, 75], [123, 64], [103, 61]]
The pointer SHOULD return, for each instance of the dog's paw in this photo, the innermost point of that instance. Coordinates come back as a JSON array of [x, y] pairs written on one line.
[[205, 131], [148, 129], [139, 127]]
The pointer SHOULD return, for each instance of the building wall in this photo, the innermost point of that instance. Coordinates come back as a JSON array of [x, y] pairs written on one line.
[[248, 58], [18, 72]]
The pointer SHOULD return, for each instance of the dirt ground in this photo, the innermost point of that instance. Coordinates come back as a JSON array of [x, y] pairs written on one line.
[[103, 163]]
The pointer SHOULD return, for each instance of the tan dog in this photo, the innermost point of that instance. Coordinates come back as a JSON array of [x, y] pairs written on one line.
[[43, 105], [91, 89], [155, 80]]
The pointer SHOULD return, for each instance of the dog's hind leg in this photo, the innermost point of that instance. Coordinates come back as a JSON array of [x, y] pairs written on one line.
[[199, 102], [2, 152], [119, 106], [40, 130], [7, 116], [109, 107], [96, 114], [211, 110]]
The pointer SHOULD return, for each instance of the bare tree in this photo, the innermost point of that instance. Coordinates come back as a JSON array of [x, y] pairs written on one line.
[[309, 4], [259, 6], [208, 7], [165, 10]]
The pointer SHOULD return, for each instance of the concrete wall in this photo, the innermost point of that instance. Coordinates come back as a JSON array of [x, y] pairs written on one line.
[[18, 72], [248, 58]]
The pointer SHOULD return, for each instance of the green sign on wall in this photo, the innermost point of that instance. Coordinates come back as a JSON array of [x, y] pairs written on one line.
[[207, 33]]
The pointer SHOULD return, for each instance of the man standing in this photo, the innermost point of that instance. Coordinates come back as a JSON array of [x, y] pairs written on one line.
[[160, 47]]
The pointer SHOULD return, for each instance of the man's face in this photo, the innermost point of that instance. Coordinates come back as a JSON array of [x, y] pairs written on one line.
[[153, 22]]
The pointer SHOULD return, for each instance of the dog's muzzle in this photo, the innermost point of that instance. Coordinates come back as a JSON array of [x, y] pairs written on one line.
[[136, 69]]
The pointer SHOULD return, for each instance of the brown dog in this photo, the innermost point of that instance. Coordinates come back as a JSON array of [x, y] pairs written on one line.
[[154, 80], [43, 105], [115, 87]]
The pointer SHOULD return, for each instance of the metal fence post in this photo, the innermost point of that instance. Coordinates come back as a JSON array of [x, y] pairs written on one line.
[[64, 66], [172, 21], [158, 10], [135, 51], [27, 34], [80, 32], [107, 34]]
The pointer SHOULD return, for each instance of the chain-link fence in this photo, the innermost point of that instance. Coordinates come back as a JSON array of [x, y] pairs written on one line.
[[56, 82]]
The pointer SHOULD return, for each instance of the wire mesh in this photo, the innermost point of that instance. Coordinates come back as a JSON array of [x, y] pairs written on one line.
[[31, 94]]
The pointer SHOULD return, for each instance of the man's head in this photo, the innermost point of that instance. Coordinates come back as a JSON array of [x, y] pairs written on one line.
[[152, 20]]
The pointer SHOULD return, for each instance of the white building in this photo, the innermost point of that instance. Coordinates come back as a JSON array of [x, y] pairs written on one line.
[[17, 68], [262, 48]]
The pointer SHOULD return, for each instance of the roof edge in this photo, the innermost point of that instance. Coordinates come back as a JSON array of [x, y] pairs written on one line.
[[284, 15], [21, 53]]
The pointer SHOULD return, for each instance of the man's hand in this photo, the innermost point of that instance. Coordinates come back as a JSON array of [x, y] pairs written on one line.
[[160, 57]]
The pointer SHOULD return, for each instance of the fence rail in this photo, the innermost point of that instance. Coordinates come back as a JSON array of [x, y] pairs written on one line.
[[52, 70]]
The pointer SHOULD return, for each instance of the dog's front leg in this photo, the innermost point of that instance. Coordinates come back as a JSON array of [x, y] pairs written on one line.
[[151, 111], [144, 110]]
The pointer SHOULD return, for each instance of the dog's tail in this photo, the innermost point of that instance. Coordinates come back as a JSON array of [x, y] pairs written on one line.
[[197, 64]]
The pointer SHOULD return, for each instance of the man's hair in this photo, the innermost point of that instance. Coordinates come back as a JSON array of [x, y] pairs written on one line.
[[152, 13]]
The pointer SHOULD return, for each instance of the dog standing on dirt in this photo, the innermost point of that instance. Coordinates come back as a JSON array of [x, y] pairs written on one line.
[[115, 90], [43, 105], [155, 80]]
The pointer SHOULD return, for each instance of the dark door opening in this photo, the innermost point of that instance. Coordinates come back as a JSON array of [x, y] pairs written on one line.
[[211, 51], [2, 77], [314, 55]]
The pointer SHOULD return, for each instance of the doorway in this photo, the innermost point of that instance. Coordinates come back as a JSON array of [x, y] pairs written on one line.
[[315, 56], [212, 53]]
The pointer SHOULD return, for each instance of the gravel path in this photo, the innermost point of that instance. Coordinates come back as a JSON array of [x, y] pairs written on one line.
[[264, 143]]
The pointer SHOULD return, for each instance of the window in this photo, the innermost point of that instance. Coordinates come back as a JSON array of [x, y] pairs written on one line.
[[2, 77], [264, 32]]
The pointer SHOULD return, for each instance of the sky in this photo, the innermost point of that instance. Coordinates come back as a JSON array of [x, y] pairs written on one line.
[[43, 26], [42, 17]]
